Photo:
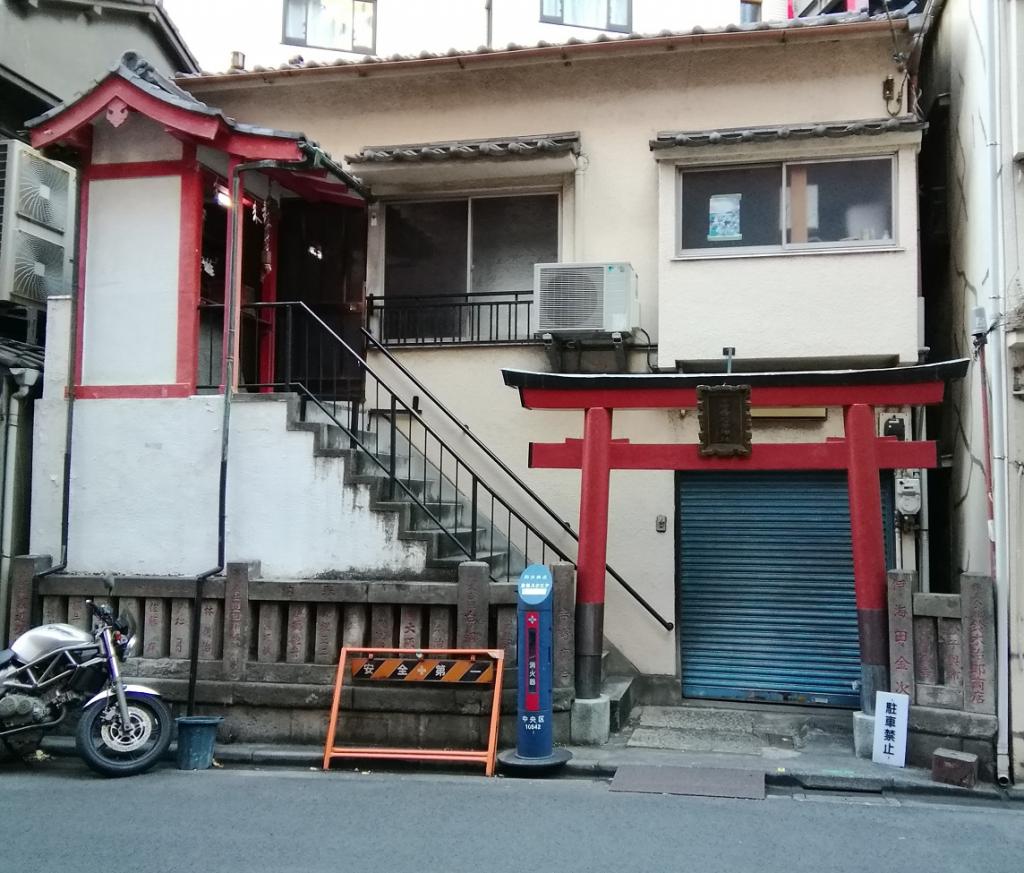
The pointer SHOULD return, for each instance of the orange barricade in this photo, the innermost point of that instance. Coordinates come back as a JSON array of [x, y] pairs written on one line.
[[465, 667]]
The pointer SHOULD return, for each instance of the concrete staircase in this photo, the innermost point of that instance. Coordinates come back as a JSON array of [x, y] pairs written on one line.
[[429, 507]]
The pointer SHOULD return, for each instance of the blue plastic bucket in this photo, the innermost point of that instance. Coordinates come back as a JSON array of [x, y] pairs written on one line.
[[197, 735]]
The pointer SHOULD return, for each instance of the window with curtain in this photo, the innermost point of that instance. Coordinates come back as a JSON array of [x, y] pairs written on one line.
[[343, 25], [598, 14]]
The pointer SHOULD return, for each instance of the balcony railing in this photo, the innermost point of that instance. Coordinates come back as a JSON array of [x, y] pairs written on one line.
[[452, 319]]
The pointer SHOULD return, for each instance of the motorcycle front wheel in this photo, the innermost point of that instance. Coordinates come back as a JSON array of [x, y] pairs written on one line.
[[110, 748]]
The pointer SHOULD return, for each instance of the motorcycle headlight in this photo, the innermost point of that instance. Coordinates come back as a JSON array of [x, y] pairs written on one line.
[[131, 646]]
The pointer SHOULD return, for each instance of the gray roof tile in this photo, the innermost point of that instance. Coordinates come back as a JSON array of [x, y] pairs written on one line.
[[537, 145], [773, 133], [298, 63]]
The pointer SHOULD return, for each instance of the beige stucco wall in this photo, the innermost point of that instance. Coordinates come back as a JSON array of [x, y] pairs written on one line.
[[618, 104]]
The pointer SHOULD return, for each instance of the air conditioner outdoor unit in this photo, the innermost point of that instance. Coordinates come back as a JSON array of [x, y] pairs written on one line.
[[37, 200], [575, 299]]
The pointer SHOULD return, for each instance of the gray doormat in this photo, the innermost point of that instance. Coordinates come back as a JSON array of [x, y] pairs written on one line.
[[697, 781]]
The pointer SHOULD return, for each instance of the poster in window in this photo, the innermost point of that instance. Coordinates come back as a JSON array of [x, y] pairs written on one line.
[[724, 218]]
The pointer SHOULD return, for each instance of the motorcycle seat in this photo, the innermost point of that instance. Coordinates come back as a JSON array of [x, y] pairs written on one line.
[[6, 656]]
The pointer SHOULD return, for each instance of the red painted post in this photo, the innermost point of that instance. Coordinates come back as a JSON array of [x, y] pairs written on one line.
[[868, 551], [594, 487]]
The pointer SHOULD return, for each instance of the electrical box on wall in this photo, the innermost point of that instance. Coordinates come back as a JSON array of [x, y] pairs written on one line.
[[908, 494], [894, 424]]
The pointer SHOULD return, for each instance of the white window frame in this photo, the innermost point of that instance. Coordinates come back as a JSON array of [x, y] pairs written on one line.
[[293, 40], [609, 28], [787, 247]]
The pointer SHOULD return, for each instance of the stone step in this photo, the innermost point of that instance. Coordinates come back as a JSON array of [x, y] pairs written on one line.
[[620, 692]]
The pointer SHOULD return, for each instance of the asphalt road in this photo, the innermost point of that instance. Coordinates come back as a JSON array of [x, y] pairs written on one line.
[[57, 817]]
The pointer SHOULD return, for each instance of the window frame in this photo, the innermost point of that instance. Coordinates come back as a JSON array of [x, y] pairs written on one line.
[[753, 4], [788, 248], [288, 40], [467, 198], [560, 19]]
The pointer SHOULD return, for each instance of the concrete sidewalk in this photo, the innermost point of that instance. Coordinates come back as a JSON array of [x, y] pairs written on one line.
[[809, 771]]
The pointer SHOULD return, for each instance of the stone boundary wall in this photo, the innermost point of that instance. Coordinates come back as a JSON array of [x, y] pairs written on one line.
[[268, 650], [942, 653]]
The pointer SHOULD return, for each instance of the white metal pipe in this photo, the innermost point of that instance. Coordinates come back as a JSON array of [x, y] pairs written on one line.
[[924, 564], [995, 306]]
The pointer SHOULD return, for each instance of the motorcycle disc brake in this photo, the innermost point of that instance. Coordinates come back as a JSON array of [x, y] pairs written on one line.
[[114, 735]]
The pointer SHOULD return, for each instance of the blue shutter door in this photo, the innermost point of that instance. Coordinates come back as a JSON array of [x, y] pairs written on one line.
[[766, 596]]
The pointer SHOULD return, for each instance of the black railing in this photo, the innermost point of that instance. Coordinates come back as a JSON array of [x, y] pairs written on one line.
[[526, 489], [452, 319], [338, 387]]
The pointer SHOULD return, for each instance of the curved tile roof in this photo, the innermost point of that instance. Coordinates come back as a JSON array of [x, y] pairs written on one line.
[[735, 135], [539, 145]]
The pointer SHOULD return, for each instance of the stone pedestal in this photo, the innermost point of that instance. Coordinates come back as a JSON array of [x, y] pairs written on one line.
[[590, 723], [863, 734]]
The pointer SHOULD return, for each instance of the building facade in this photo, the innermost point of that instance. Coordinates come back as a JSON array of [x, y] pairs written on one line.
[[972, 256], [272, 32]]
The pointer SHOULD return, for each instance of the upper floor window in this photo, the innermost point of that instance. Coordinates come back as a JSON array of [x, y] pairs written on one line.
[[784, 206], [599, 14], [342, 25], [750, 11]]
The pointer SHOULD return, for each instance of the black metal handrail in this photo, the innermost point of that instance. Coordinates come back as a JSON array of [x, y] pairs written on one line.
[[317, 363], [536, 498], [476, 317]]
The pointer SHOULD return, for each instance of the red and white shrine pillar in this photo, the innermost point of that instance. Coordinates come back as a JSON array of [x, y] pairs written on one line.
[[593, 550], [868, 545]]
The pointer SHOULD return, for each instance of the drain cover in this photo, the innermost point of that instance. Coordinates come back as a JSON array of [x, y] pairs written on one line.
[[697, 781]]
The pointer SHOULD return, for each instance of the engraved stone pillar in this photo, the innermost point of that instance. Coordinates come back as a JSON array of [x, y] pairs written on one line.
[[564, 625], [901, 632], [236, 618], [474, 604], [24, 570], [979, 631]]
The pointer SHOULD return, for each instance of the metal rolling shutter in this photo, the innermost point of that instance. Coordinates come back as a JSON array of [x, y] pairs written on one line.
[[767, 609]]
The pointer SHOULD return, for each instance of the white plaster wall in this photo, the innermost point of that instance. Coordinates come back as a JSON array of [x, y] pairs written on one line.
[[144, 494], [214, 30], [813, 304], [294, 513], [137, 139], [469, 382], [131, 282]]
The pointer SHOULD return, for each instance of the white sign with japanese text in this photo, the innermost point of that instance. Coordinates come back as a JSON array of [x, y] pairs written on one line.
[[891, 712]]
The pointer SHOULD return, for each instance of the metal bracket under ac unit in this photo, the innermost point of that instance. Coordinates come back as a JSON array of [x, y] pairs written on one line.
[[556, 346]]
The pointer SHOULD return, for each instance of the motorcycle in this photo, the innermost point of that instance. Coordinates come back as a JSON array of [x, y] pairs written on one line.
[[49, 670]]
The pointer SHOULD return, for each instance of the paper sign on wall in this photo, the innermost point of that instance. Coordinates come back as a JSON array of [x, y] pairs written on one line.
[[891, 712]]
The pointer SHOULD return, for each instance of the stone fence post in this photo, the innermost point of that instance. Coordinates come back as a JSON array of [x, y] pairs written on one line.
[[24, 613]]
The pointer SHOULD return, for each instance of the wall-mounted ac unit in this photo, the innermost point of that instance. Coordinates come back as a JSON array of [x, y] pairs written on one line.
[[37, 223], [597, 298]]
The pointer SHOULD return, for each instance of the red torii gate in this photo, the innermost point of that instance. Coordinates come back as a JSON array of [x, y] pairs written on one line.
[[860, 452]]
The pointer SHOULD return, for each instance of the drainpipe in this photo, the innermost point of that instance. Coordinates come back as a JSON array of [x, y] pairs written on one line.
[[234, 277], [25, 378], [69, 424], [995, 309]]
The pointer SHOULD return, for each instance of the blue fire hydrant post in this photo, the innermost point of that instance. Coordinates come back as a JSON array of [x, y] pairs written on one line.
[[535, 750]]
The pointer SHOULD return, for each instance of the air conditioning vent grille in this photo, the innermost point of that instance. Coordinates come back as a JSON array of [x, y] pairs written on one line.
[[4, 148], [42, 192], [572, 298], [38, 267]]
